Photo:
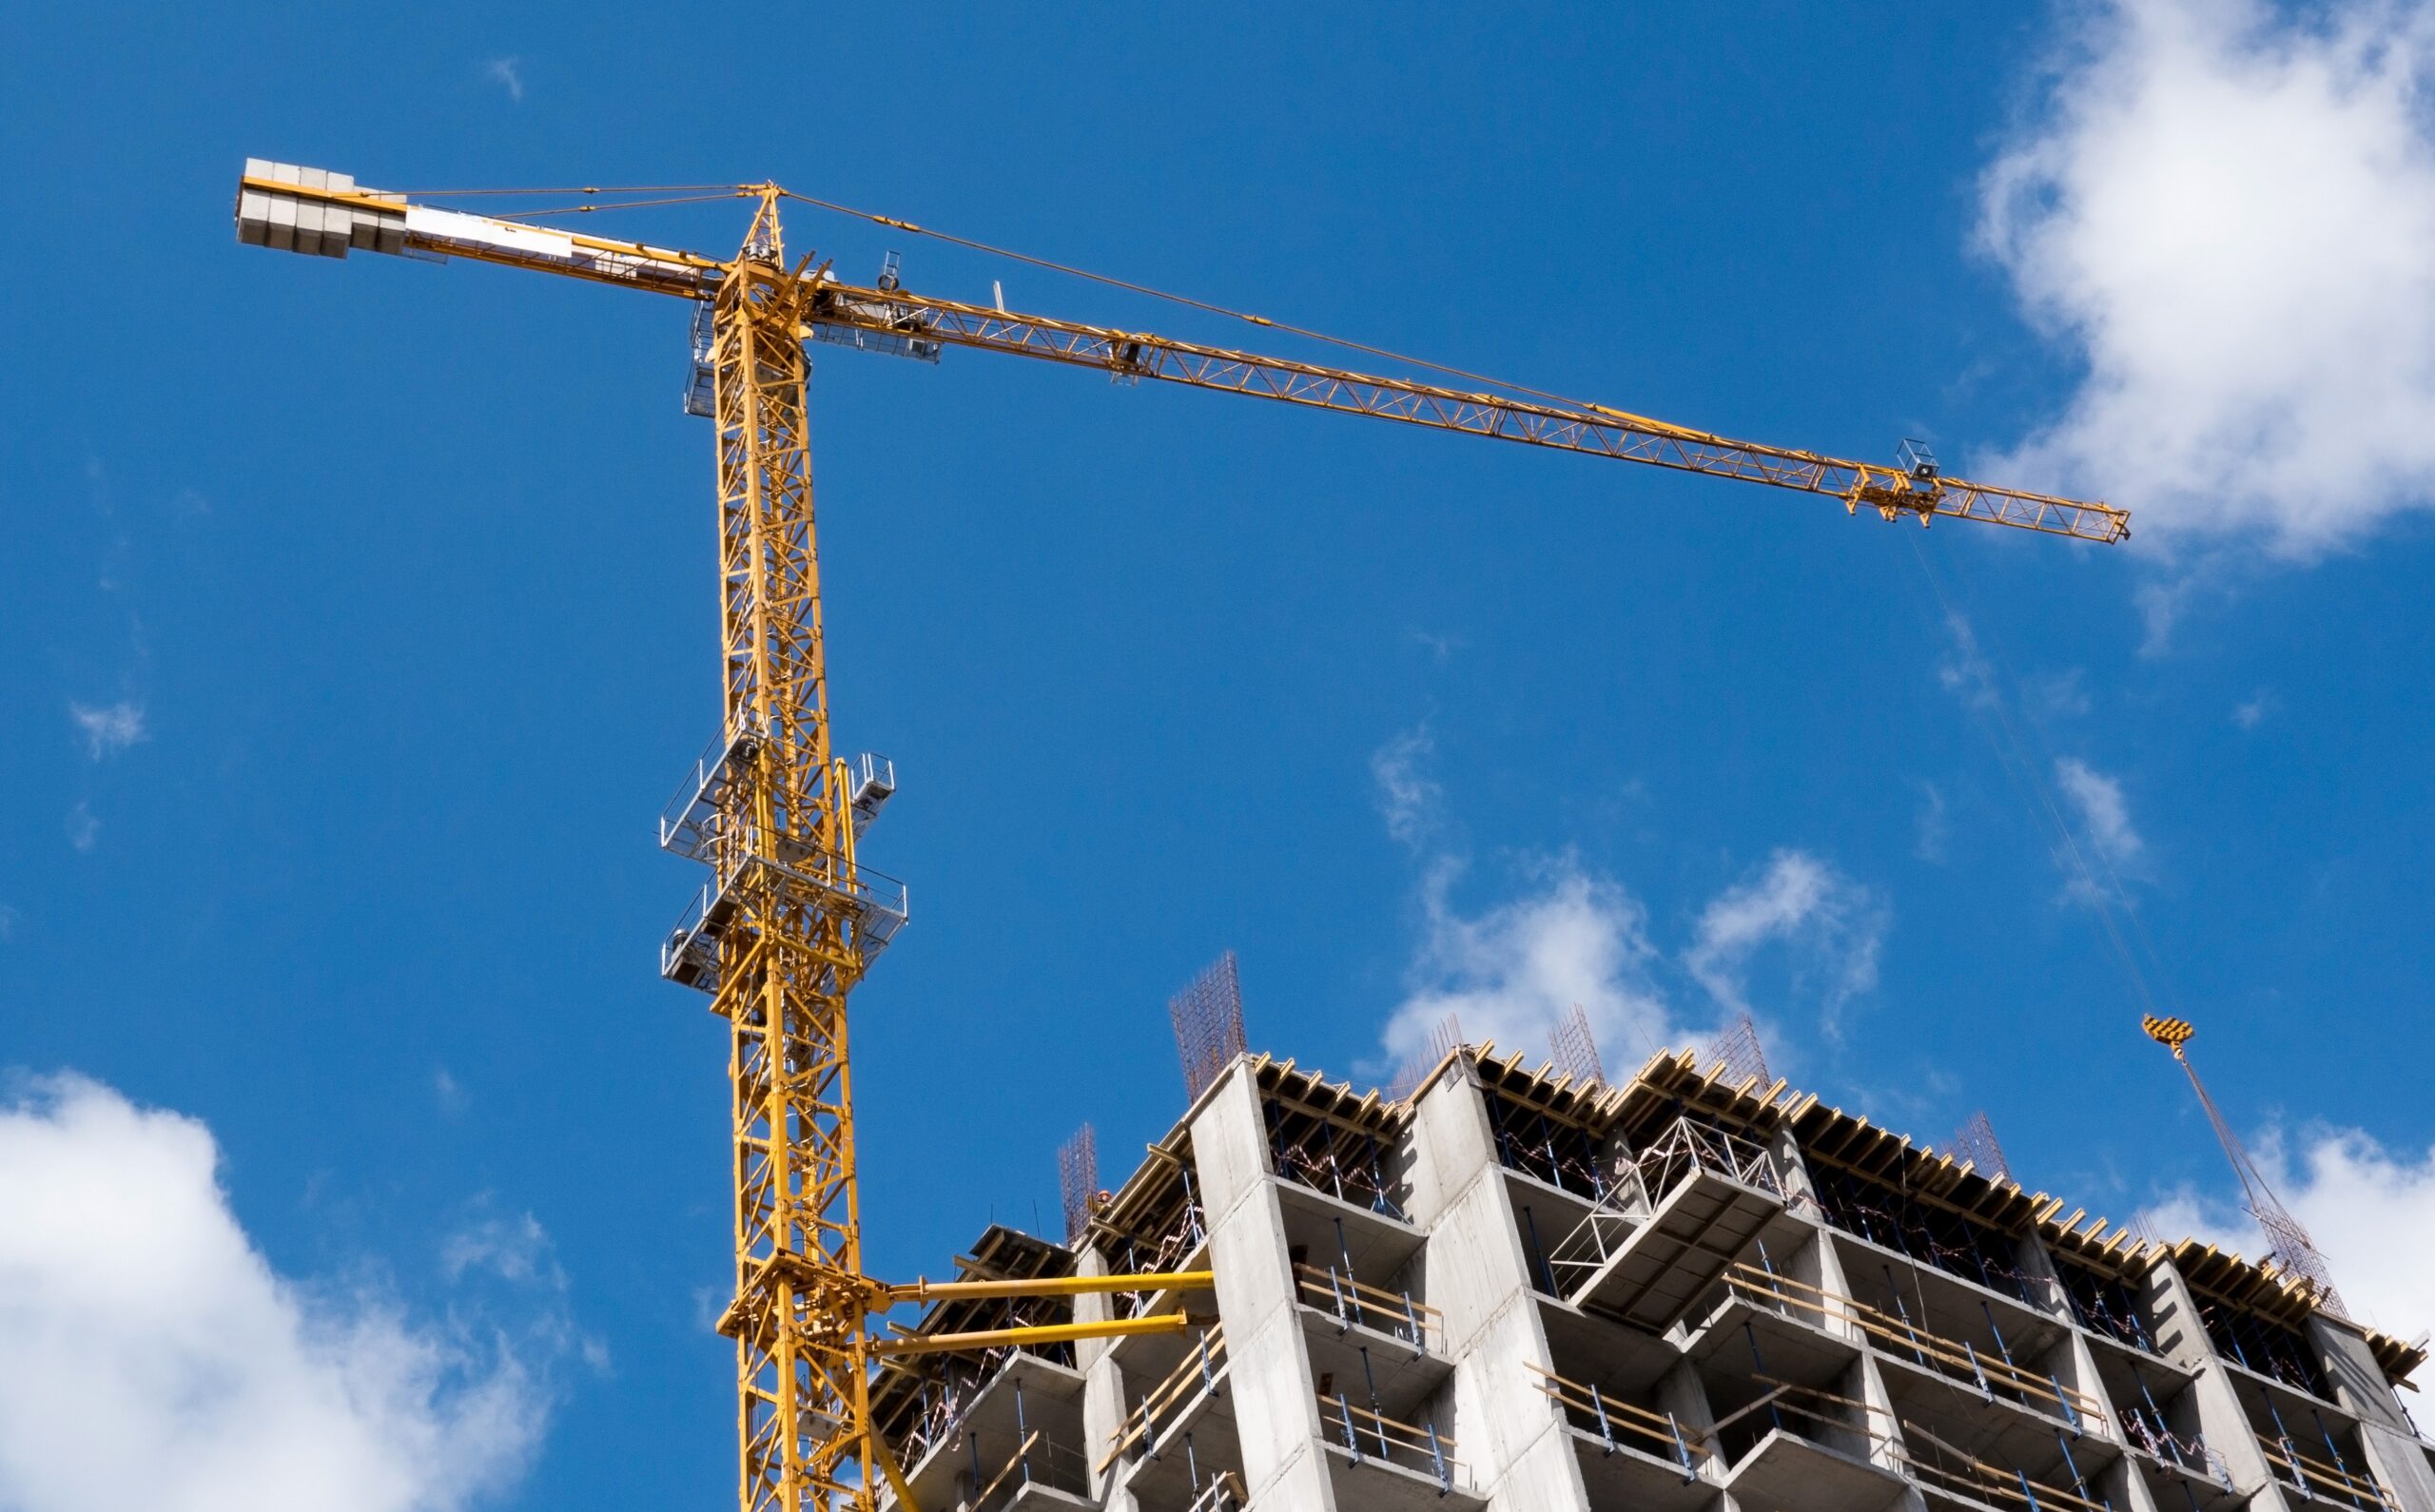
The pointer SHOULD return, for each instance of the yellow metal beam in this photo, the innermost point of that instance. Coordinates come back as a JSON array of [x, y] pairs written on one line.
[[1051, 1286], [1042, 1333]]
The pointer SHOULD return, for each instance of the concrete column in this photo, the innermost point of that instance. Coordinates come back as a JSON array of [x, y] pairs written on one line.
[[2359, 1385], [2077, 1369], [2222, 1421], [1104, 1404], [1512, 1435], [1276, 1412]]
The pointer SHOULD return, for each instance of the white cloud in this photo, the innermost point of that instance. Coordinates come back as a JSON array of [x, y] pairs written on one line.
[[2251, 712], [155, 1359], [508, 74], [108, 730], [9, 918], [1830, 926], [2227, 210], [2105, 818], [1509, 974], [1932, 831], [1407, 795], [450, 1091], [2370, 1209], [84, 830], [513, 1249]]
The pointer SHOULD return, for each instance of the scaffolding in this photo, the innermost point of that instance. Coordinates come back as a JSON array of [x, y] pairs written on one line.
[[1207, 1019]]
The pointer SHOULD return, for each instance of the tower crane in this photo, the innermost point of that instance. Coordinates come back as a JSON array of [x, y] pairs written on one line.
[[791, 919]]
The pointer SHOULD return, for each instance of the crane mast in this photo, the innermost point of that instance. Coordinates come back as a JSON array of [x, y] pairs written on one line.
[[790, 921]]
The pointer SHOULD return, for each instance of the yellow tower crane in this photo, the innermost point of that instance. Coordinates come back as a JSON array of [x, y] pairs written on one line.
[[791, 919]]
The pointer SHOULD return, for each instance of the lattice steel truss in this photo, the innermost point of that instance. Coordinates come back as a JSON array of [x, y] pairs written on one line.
[[786, 847], [1208, 1018]]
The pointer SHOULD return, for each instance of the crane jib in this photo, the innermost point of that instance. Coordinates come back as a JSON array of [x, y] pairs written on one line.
[[314, 211]]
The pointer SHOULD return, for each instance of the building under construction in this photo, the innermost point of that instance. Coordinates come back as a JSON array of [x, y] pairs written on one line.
[[1695, 1290]]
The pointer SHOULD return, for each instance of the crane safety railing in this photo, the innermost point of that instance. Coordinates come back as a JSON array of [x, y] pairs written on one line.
[[1641, 1181], [1915, 1451], [1625, 1425], [1366, 1434], [1195, 1377], [2316, 1480], [1393, 1314], [1991, 1375], [1038, 1459]]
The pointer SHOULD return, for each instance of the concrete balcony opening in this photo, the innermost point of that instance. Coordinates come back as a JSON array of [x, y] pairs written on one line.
[[1925, 1319], [1360, 1276], [2156, 1404], [1179, 1431], [1017, 1443], [1988, 1453], [2313, 1454], [1781, 1446], [1378, 1460], [1606, 1388], [1676, 1217], [1325, 1138]]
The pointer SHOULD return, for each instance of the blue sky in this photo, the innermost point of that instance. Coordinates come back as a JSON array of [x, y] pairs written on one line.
[[362, 619]]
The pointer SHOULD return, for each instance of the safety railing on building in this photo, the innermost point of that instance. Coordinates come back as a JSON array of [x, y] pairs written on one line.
[[1393, 1314], [1165, 1404], [1640, 1183], [1223, 1493], [1368, 1435], [1167, 1252], [1625, 1425], [2145, 1427], [1912, 1450], [1895, 1334], [2316, 1479], [1321, 1153], [1038, 1459]]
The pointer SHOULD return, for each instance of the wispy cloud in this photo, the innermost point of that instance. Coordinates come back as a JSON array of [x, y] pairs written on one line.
[[2225, 211], [1510, 972], [1930, 830], [508, 74], [109, 728], [84, 830], [1829, 928], [1407, 793], [2104, 818], [226, 1381], [513, 1249], [2251, 711]]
